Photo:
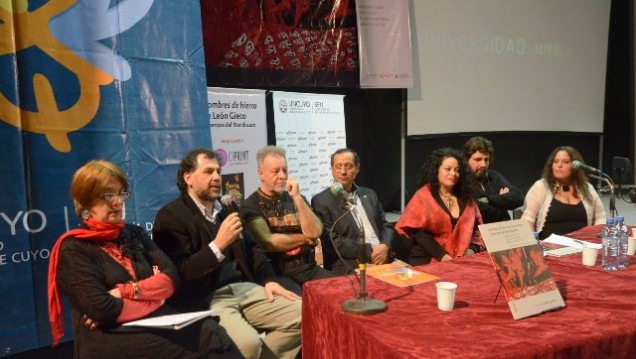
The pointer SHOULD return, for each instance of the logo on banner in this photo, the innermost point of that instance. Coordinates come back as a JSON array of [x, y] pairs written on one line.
[[282, 106], [221, 155], [70, 44], [232, 157]]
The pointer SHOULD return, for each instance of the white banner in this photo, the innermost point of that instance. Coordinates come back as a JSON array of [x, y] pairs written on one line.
[[239, 128], [385, 44], [310, 127]]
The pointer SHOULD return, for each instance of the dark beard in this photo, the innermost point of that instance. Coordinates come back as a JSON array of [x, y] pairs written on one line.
[[207, 196]]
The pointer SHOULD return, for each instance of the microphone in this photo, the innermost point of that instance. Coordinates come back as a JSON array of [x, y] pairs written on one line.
[[578, 165], [229, 205], [338, 190], [599, 175]]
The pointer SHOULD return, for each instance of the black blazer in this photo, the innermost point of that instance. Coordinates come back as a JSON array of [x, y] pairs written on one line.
[[183, 233], [346, 234]]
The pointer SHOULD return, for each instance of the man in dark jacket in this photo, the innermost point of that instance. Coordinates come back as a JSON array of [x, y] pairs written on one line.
[[343, 234], [496, 195], [220, 269]]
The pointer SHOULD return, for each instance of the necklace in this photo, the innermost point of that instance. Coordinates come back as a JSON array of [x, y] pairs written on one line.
[[448, 200], [563, 187]]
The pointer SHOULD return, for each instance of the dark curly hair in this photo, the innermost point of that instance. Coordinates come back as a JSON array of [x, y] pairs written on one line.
[[189, 164], [465, 186], [579, 179], [480, 144]]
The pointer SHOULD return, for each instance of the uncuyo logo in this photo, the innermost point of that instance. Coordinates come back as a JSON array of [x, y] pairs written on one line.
[[282, 106], [71, 34]]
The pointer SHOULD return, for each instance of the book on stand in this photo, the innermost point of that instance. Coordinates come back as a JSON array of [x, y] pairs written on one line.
[[526, 281]]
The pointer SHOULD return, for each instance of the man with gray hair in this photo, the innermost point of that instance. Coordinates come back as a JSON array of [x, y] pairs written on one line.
[[281, 220], [496, 195]]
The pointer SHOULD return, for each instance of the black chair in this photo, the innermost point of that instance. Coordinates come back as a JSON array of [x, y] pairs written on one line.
[[621, 170]]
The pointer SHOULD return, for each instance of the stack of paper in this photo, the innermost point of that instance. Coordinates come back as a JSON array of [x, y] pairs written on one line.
[[564, 251], [570, 246]]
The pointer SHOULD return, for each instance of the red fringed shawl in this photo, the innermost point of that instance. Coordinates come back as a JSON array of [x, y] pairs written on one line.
[[423, 212]]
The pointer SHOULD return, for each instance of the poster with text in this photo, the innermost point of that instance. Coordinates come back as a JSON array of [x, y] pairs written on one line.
[[238, 128], [385, 44], [310, 127]]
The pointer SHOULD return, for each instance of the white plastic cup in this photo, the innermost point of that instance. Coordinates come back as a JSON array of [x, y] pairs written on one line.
[[446, 295], [589, 256], [631, 246]]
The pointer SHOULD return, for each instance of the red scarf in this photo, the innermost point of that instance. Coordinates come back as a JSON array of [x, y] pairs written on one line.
[[97, 231], [423, 212]]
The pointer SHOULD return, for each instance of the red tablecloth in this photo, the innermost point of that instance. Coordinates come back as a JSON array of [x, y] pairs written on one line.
[[599, 320]]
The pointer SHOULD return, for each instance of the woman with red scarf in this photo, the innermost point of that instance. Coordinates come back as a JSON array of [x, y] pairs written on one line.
[[442, 217], [113, 273]]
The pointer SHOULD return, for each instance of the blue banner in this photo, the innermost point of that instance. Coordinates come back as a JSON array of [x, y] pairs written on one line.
[[79, 80]]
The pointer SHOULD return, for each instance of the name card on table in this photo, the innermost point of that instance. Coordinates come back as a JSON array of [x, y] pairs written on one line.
[[524, 275]]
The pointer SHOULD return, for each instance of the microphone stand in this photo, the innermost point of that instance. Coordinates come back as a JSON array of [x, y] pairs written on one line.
[[362, 304], [605, 178]]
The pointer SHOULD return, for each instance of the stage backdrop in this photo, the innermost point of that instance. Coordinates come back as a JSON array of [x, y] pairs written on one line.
[[310, 127], [309, 43], [79, 80]]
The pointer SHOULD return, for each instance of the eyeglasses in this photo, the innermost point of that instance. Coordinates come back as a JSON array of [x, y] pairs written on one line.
[[110, 196], [346, 166]]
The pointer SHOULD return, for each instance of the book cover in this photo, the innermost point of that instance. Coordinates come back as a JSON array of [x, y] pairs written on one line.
[[233, 185], [171, 321], [526, 280]]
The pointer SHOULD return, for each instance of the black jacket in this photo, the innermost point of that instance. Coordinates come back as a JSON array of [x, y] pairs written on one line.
[[346, 233], [498, 205], [183, 233]]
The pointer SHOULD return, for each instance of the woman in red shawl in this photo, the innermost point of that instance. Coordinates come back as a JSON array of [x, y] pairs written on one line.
[[113, 273], [442, 217]]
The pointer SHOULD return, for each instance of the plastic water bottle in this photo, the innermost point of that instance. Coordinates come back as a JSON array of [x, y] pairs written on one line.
[[621, 229], [610, 245]]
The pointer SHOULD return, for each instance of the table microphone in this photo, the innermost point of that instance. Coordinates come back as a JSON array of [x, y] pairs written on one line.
[[338, 190], [578, 165], [598, 174], [361, 304]]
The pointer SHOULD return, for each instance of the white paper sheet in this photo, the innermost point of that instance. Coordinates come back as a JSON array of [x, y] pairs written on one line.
[[172, 321], [569, 242]]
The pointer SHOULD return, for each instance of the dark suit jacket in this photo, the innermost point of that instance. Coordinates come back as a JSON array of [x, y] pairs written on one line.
[[346, 233], [183, 233]]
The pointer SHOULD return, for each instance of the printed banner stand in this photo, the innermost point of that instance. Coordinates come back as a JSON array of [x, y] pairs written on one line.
[[310, 127], [238, 126]]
